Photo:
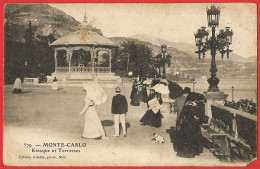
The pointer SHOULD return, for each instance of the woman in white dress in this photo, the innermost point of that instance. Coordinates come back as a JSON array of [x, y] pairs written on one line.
[[17, 87], [55, 84], [93, 127]]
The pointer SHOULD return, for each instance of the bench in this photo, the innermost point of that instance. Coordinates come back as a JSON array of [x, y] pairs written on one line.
[[215, 134], [225, 143]]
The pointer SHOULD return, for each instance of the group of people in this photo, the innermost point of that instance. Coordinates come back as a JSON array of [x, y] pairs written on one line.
[[243, 104], [17, 87], [93, 127], [189, 108], [139, 92]]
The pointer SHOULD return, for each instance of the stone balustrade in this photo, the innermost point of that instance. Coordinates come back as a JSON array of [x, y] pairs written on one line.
[[82, 69], [243, 124]]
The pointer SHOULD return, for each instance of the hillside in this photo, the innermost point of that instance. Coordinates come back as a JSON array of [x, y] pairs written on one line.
[[45, 20], [48, 20], [179, 60], [188, 48], [252, 59]]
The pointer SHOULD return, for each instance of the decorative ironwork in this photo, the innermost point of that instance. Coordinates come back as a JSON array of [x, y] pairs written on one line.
[[215, 43], [163, 49]]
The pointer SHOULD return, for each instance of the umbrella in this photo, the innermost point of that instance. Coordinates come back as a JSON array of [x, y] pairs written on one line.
[[160, 88], [95, 93]]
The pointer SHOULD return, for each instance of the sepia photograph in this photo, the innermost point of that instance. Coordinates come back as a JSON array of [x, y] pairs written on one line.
[[130, 84]]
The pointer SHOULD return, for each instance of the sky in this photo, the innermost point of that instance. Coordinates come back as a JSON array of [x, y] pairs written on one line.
[[172, 22]]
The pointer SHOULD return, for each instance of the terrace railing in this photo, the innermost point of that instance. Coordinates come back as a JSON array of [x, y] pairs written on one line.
[[62, 69], [82, 69], [243, 124]]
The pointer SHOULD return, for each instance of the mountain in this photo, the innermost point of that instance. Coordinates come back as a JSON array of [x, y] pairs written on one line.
[[44, 18], [180, 58], [188, 48]]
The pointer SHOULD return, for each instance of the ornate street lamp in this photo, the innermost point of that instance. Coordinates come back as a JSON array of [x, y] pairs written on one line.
[[201, 37], [232, 88], [193, 86], [25, 64], [157, 60], [220, 42], [163, 49]]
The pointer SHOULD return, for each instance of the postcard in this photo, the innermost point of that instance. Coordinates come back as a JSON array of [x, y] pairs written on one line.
[[130, 84]]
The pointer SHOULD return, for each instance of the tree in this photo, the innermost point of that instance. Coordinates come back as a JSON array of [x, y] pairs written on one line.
[[142, 60], [134, 57], [29, 37], [128, 50]]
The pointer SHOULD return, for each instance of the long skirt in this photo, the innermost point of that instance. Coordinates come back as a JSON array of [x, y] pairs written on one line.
[[55, 86], [152, 119], [93, 127], [135, 100], [17, 91]]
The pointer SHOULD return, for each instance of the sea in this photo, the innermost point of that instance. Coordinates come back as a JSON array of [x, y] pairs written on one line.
[[244, 88]]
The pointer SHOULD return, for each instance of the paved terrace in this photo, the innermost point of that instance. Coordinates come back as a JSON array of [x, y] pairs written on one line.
[[41, 115]]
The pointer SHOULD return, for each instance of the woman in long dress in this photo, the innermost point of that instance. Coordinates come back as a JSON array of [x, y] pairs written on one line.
[[17, 87], [93, 127], [188, 139], [135, 95], [55, 84], [153, 115]]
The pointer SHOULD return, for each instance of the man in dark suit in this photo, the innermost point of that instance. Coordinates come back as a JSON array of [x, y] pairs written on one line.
[[180, 101], [119, 110]]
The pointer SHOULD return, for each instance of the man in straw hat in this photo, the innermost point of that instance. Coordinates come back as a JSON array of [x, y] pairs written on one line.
[[119, 110]]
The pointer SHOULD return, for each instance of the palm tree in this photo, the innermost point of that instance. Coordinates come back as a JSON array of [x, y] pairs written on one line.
[[143, 60], [128, 50]]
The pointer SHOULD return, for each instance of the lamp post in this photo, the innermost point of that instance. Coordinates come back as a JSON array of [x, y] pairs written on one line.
[[163, 49], [157, 64], [220, 42], [193, 85], [232, 88], [25, 64]]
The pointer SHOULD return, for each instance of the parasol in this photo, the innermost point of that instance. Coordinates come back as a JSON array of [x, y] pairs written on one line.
[[95, 93], [160, 88]]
